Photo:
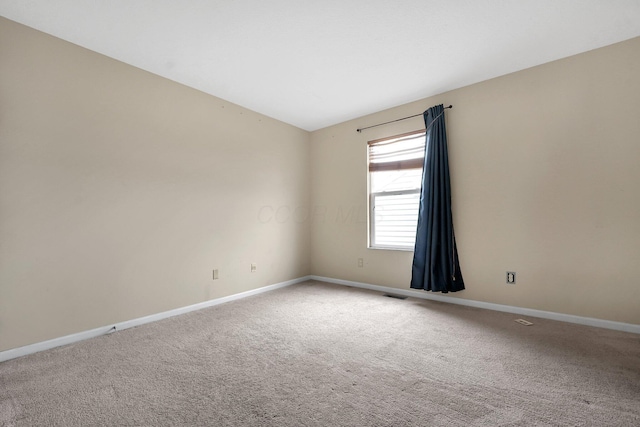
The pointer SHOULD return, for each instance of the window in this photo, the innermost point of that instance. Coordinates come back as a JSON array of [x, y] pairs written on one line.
[[395, 177]]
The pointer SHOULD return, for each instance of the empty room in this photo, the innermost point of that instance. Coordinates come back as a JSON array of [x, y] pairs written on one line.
[[319, 213]]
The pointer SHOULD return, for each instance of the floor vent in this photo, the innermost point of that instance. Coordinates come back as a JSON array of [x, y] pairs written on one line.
[[395, 296], [524, 322]]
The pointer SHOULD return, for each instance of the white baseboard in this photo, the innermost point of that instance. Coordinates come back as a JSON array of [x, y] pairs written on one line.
[[80, 336], [588, 321]]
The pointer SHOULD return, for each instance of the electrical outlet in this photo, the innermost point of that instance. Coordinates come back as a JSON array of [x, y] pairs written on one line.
[[215, 274], [360, 262], [511, 277], [254, 267]]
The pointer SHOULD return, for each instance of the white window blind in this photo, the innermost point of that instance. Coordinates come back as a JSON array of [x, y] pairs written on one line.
[[395, 175], [400, 153]]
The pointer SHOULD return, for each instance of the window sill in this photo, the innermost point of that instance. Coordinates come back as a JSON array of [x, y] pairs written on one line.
[[390, 248]]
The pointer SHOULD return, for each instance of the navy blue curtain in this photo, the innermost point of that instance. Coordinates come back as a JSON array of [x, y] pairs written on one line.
[[435, 257]]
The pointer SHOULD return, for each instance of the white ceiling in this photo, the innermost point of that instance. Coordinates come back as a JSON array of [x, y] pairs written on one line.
[[314, 63]]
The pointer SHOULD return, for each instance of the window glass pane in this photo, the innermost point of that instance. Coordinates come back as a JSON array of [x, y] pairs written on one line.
[[396, 219], [408, 179]]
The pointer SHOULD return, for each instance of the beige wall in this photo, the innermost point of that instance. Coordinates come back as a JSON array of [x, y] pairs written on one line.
[[120, 191], [545, 168]]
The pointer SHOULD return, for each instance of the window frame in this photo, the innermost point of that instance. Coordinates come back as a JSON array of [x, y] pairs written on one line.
[[371, 238]]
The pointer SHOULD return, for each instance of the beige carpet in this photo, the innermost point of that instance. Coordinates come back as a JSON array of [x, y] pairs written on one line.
[[324, 355]]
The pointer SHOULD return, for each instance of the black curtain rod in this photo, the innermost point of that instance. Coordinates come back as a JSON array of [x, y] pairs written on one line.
[[397, 120]]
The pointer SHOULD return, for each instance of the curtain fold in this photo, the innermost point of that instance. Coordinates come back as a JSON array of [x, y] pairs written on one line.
[[435, 258]]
